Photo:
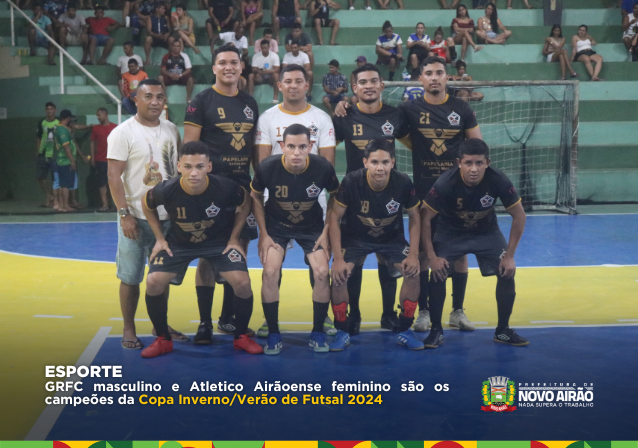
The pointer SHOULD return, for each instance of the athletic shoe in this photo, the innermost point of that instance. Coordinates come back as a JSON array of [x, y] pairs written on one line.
[[342, 340], [368, 8], [423, 321], [204, 335], [328, 327], [318, 342], [390, 321], [274, 345], [354, 326], [351, 8], [228, 327], [460, 320], [247, 344], [509, 336], [158, 347], [263, 330], [407, 338], [434, 339]]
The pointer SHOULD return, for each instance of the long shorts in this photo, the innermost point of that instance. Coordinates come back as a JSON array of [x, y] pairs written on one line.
[[334, 99], [43, 167], [101, 171], [286, 22], [488, 247], [182, 81], [73, 40], [41, 41], [66, 176], [282, 235]]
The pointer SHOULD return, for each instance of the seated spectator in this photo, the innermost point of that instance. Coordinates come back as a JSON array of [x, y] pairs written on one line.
[[130, 81], [23, 4], [246, 69], [385, 4], [176, 70], [351, 5], [630, 26], [183, 28], [285, 13], [463, 29], [122, 63], [99, 29], [444, 4], [320, 12], [36, 34], [554, 51], [465, 93], [527, 5], [388, 49], [74, 31], [360, 61], [142, 12], [251, 13], [236, 38], [335, 85], [490, 27], [303, 39], [265, 70], [627, 6], [220, 19], [274, 46], [441, 47], [158, 32], [582, 52], [412, 93], [99, 162], [298, 57], [634, 48], [53, 9], [419, 46]]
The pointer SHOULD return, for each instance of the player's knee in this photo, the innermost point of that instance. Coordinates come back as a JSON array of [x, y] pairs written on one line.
[[242, 287], [336, 22], [320, 273], [153, 285], [271, 274]]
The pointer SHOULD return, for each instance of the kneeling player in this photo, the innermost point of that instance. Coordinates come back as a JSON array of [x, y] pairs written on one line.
[[464, 196], [207, 214], [372, 200], [294, 181]]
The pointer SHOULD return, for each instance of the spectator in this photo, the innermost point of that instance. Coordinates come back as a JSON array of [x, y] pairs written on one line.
[[582, 52], [251, 13], [335, 85], [627, 6], [176, 70], [554, 51], [89, 4], [99, 162], [36, 35], [634, 48], [220, 14], [65, 158], [304, 40], [385, 4], [465, 93], [412, 93], [53, 9], [265, 70], [527, 5], [23, 4], [246, 70], [630, 26], [158, 32], [444, 4], [130, 81], [142, 12], [122, 63], [236, 38], [73, 31], [45, 145], [320, 12], [298, 57], [490, 27], [441, 47], [183, 28], [419, 46], [99, 29], [389, 48], [351, 5], [360, 61], [285, 15], [274, 46], [463, 29]]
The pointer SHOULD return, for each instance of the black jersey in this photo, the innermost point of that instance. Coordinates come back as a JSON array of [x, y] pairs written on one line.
[[436, 132], [465, 208], [375, 216], [293, 198], [228, 128], [207, 218], [357, 129]]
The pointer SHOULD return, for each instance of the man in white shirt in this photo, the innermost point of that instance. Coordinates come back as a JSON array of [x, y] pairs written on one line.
[[295, 56], [236, 38], [122, 63], [73, 31], [265, 70]]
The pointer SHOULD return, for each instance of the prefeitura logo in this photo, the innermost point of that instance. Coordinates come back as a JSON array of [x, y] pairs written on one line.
[[499, 394]]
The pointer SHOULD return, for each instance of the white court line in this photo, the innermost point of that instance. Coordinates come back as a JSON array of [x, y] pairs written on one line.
[[551, 321], [136, 320], [627, 320], [53, 317], [51, 413], [58, 222], [53, 258]]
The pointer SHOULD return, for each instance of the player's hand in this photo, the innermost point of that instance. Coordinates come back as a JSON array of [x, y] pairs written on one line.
[[234, 244], [74, 166], [341, 109], [507, 267], [340, 272], [324, 242], [160, 245], [439, 267], [129, 227], [411, 266], [92, 162], [264, 245]]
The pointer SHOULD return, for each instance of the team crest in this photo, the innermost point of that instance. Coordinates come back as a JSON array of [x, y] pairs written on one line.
[[406, 251], [248, 112], [454, 119], [234, 256], [387, 128], [313, 130], [196, 229], [392, 206], [313, 191], [251, 221], [471, 218], [438, 137], [376, 225], [212, 211], [237, 130], [487, 201], [498, 394], [296, 210]]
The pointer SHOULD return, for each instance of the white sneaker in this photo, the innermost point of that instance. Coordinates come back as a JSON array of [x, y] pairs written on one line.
[[351, 8], [368, 8], [460, 320], [423, 321], [329, 327]]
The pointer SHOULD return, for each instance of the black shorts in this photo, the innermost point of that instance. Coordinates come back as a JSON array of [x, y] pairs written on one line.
[[306, 239], [101, 171], [43, 167], [67, 177], [286, 22], [157, 42], [588, 52], [391, 252], [230, 26], [325, 23], [487, 246], [178, 263], [250, 231]]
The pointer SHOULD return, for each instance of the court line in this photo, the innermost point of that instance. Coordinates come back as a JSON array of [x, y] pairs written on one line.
[[53, 258], [136, 320], [51, 413], [53, 317], [551, 321], [627, 320]]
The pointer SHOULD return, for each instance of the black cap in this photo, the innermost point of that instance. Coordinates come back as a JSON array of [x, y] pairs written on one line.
[[334, 63], [66, 113]]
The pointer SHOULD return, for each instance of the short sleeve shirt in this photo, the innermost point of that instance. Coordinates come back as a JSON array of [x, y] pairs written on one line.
[[389, 43], [63, 137], [176, 65], [44, 132], [55, 8], [99, 26], [76, 23], [301, 59], [274, 46], [229, 38], [122, 63], [304, 39], [99, 135], [43, 22], [333, 82], [131, 81], [265, 62], [415, 38]]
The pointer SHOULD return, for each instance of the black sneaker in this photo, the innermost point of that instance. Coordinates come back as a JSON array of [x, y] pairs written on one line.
[[228, 327], [204, 334], [354, 326], [509, 336], [434, 339], [390, 321]]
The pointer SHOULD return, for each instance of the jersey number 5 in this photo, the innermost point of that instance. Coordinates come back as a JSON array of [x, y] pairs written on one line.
[[281, 191], [459, 203]]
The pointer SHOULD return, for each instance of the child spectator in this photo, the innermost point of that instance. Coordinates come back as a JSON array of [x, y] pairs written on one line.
[[441, 47], [122, 63], [320, 12], [130, 81], [335, 85], [99, 29], [463, 29], [36, 34], [389, 49], [99, 134], [490, 27], [265, 70], [554, 52], [176, 70], [419, 46], [158, 32]]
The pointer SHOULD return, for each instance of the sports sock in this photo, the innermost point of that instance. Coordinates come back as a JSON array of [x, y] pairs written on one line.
[[452, 52], [319, 314], [311, 273], [341, 318], [243, 311], [459, 282], [354, 291], [205, 302], [157, 307], [424, 280], [391, 76], [271, 311], [388, 288], [406, 318], [437, 300], [227, 304], [505, 295]]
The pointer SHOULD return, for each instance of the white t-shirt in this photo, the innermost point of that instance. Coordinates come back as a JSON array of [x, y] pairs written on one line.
[[229, 38], [414, 37], [301, 59], [267, 62], [630, 32], [122, 63], [76, 23], [145, 159]]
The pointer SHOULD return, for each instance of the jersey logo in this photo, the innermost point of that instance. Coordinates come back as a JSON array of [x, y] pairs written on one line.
[[454, 119], [376, 225], [190, 109], [234, 256], [387, 128], [438, 137], [313, 191], [196, 229], [470, 218], [237, 130], [406, 251], [296, 209], [212, 211], [392, 206], [361, 144], [313, 130], [248, 112], [487, 201], [251, 221]]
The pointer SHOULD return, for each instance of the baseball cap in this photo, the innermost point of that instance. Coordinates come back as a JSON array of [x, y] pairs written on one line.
[[361, 59], [334, 63], [66, 113]]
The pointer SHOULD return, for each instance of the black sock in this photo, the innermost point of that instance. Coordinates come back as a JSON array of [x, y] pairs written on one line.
[[405, 323], [227, 304], [424, 280], [452, 52], [341, 324], [243, 310], [459, 282], [354, 291], [157, 307], [205, 302], [271, 311], [437, 300], [319, 314], [391, 76], [505, 295], [311, 273], [388, 288]]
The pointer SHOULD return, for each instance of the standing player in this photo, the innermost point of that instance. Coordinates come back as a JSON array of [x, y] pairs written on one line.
[[207, 214], [372, 201], [45, 145], [225, 119], [464, 196], [295, 180]]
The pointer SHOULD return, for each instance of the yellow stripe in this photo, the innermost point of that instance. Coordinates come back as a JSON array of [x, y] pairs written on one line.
[[428, 206], [145, 202], [192, 124], [343, 205], [253, 188], [414, 206], [245, 196], [507, 208], [472, 128]]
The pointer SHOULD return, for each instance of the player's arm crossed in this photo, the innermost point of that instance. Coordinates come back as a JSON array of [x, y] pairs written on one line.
[[411, 266], [507, 267], [340, 269]]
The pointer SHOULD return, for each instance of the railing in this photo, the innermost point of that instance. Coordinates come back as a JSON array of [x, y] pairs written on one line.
[[63, 53]]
